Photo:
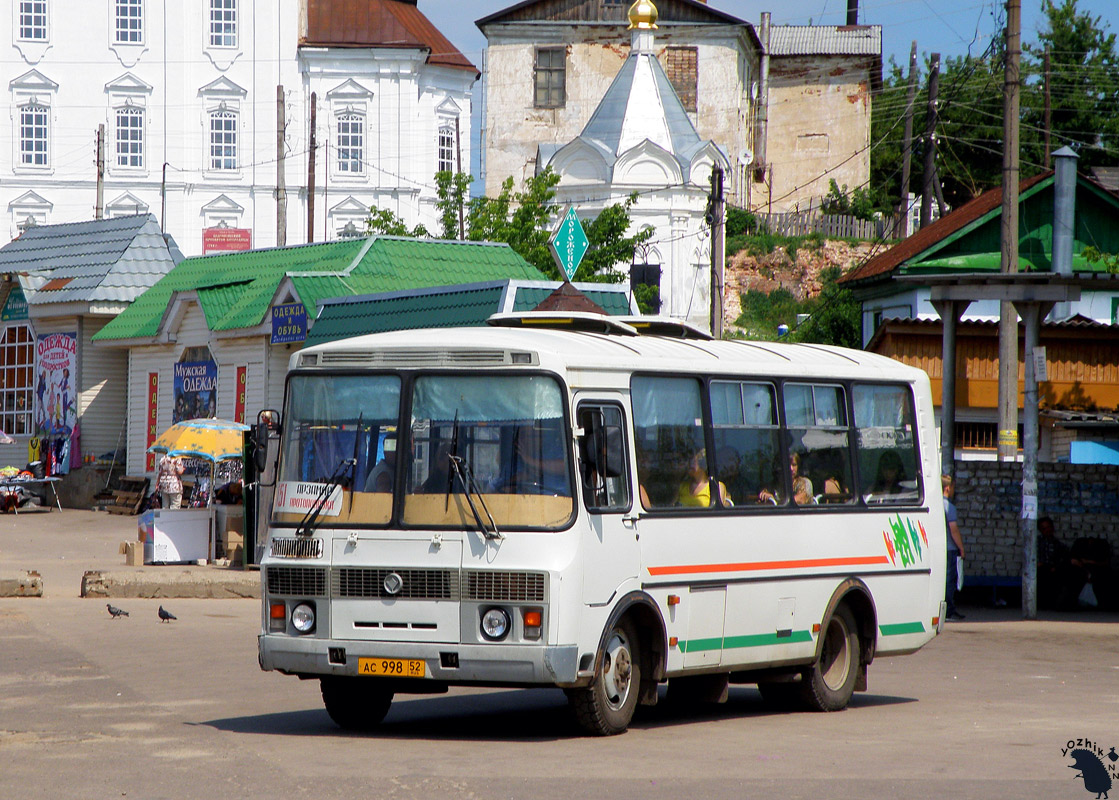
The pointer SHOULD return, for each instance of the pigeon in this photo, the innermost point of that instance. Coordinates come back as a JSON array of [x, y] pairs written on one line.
[[165, 615], [115, 612]]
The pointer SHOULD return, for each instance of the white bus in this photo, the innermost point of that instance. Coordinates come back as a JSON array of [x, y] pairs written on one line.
[[602, 507]]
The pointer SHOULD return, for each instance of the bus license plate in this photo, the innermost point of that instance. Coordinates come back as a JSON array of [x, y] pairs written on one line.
[[391, 667]]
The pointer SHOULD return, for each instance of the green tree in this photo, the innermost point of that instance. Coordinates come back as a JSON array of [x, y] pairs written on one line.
[[521, 220], [833, 316], [609, 245], [862, 203], [383, 221], [1084, 83], [1084, 91], [453, 188]]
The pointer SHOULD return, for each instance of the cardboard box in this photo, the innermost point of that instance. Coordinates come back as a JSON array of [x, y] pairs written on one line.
[[134, 554], [236, 555]]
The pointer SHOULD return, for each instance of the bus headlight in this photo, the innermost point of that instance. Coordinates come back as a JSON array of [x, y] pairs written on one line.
[[303, 618], [495, 624]]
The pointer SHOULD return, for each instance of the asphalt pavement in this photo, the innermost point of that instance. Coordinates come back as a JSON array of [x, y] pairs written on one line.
[[76, 553]]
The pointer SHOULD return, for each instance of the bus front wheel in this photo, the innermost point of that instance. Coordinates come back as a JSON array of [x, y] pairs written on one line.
[[830, 682], [606, 707], [356, 704]]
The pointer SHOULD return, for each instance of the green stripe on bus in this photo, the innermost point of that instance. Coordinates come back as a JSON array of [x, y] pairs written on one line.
[[754, 640], [901, 627]]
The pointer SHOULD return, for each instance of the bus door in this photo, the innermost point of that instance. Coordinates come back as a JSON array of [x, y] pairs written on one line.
[[610, 551]]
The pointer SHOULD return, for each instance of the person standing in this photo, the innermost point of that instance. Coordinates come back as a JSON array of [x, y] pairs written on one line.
[[955, 543], [170, 481]]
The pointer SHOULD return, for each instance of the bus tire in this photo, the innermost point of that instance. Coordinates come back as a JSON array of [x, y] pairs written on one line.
[[829, 683], [606, 707], [355, 704]]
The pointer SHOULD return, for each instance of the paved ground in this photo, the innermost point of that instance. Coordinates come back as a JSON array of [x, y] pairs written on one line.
[[64, 546], [96, 707]]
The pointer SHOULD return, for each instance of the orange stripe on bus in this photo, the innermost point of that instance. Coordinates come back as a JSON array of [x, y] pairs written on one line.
[[753, 566]]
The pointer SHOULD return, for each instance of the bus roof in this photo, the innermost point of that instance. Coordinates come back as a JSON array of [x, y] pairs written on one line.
[[562, 350]]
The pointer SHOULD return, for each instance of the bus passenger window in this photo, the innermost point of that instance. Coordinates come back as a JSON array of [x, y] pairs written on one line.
[[886, 444], [816, 416], [747, 443], [668, 426]]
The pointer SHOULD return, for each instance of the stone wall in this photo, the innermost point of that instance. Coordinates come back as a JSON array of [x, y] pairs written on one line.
[[1082, 499]]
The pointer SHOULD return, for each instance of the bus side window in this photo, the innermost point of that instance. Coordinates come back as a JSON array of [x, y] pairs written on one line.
[[603, 466], [668, 428], [886, 440], [816, 416], [747, 441]]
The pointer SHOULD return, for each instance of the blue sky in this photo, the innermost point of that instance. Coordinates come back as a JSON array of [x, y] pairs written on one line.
[[949, 27]]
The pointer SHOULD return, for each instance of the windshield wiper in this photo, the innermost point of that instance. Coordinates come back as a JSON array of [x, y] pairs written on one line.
[[461, 468], [306, 526], [451, 471]]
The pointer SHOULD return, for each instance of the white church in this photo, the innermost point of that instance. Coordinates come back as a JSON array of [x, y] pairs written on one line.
[[640, 139]]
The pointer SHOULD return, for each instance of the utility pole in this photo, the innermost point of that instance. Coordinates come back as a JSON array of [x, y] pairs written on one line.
[[1048, 111], [281, 189], [930, 142], [907, 146], [1008, 317], [715, 209], [99, 208], [311, 176], [163, 200]]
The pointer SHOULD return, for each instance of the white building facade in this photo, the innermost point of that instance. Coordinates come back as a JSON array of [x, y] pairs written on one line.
[[201, 113]]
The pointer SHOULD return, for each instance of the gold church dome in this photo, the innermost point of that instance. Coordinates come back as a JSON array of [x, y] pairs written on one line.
[[643, 15]]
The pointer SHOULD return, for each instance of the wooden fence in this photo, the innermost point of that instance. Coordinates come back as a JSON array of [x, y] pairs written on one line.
[[802, 223]]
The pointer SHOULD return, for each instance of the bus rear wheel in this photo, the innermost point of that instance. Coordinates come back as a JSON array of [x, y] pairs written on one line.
[[606, 707], [356, 704], [830, 682]]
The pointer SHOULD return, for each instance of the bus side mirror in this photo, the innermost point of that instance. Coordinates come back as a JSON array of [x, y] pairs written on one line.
[[267, 421], [260, 446]]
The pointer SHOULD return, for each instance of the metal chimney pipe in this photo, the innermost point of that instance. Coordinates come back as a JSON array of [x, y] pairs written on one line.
[[1064, 209], [852, 12]]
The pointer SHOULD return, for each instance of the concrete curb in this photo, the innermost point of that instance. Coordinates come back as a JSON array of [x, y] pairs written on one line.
[[209, 582], [24, 583]]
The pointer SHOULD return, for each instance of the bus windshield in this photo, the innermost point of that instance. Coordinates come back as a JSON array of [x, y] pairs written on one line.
[[345, 449], [508, 436]]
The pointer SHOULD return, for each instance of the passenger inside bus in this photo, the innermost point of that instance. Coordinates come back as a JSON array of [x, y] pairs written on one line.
[[440, 479], [380, 478], [802, 486], [890, 478], [695, 489]]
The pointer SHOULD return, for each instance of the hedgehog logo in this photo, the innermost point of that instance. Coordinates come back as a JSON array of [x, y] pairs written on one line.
[[1092, 771]]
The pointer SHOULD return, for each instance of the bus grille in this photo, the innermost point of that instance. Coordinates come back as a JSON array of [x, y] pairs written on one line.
[[416, 584], [494, 585], [297, 548], [301, 581]]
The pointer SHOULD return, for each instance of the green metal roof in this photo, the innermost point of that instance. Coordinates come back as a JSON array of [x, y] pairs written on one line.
[[444, 307], [969, 239], [237, 289], [613, 302], [393, 313]]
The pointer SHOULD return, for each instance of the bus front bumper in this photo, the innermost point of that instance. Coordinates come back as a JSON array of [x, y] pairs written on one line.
[[477, 663]]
